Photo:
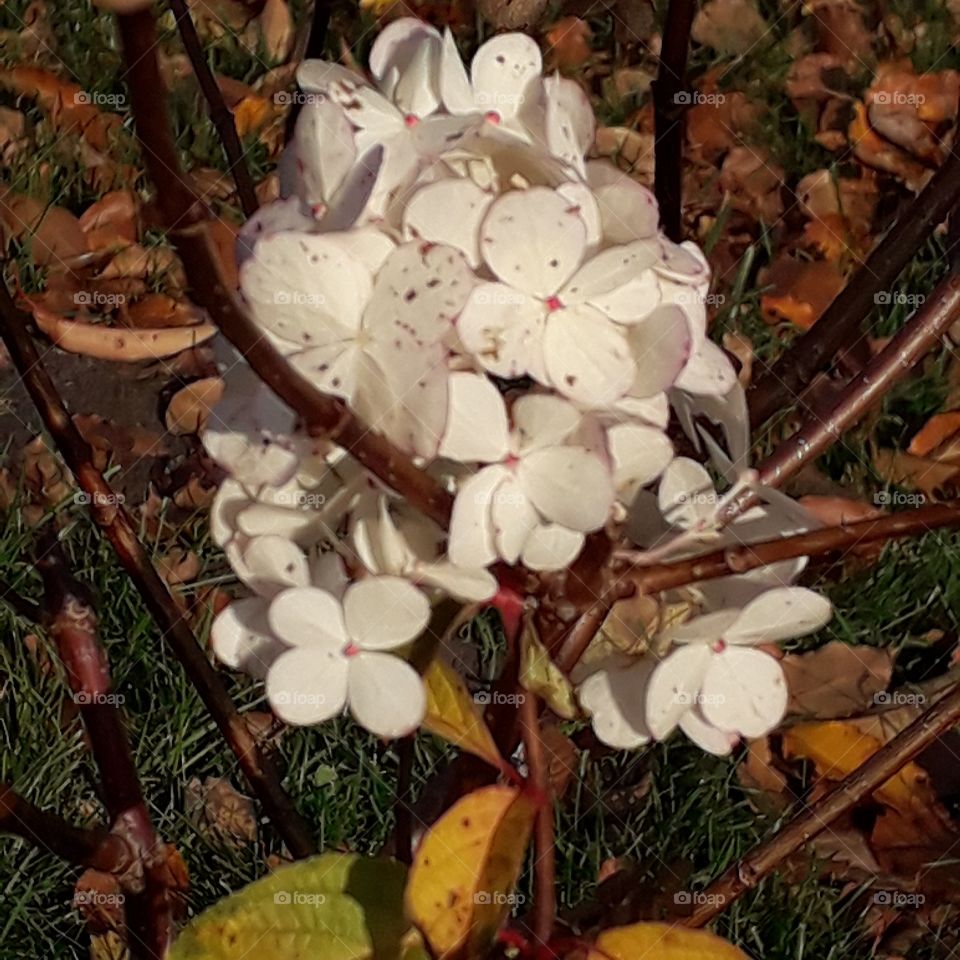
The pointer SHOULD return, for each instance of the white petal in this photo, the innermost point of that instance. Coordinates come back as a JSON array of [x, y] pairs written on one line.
[[476, 420], [418, 292], [384, 612], [570, 122], [542, 420], [332, 368], [471, 526], [532, 240], [306, 685], [231, 498], [682, 262], [686, 495], [586, 357], [551, 547], [430, 215], [628, 209], [317, 76], [505, 72], [271, 562], [305, 288], [654, 410], [513, 519], [398, 43], [580, 197], [368, 244], [705, 735], [241, 639], [568, 485], [708, 371], [609, 270], [469, 584], [325, 149], [455, 90], [705, 629], [386, 694], [616, 701], [640, 453], [415, 91], [293, 523], [276, 217], [661, 347], [503, 329], [634, 301], [674, 687], [351, 197], [309, 617], [780, 614], [744, 691]]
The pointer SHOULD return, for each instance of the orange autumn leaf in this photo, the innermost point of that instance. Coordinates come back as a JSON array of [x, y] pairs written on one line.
[[802, 290], [569, 42], [250, 114], [940, 427], [875, 151], [827, 235]]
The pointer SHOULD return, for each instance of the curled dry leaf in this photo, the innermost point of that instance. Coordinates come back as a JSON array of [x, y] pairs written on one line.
[[741, 346], [569, 42], [631, 150], [729, 26], [178, 566], [936, 431], [52, 234], [141, 262], [112, 343], [511, 14], [715, 125], [159, 310], [933, 478], [817, 76], [752, 183], [222, 808], [878, 152], [189, 407], [841, 31], [276, 29], [801, 290]]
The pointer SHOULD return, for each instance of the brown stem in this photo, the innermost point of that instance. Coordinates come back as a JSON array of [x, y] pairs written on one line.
[[19, 604], [186, 220], [885, 763], [670, 101], [73, 626], [85, 848], [913, 341], [222, 118], [796, 367], [544, 848], [826, 541], [110, 514]]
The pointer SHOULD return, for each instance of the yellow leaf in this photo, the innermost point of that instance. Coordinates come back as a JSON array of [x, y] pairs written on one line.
[[458, 892], [540, 675], [837, 749], [661, 941], [453, 714]]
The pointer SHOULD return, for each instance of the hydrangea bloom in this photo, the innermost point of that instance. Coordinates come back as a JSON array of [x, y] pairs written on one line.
[[447, 261]]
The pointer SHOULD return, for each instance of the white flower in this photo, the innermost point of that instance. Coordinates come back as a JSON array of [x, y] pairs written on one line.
[[380, 344], [735, 689], [409, 548], [537, 503], [338, 655]]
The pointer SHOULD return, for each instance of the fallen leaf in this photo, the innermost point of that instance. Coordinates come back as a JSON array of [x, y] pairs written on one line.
[[159, 310], [841, 30], [226, 811], [630, 150], [52, 234], [933, 479], [716, 124], [459, 888], [662, 942], [741, 346], [802, 290], [178, 566], [511, 14], [562, 760], [729, 26], [752, 183], [190, 406], [817, 76], [541, 676], [940, 427], [569, 42], [276, 29], [876, 151]]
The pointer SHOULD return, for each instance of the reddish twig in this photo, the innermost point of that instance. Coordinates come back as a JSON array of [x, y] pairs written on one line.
[[912, 342], [827, 541], [222, 118], [118, 527], [544, 848], [186, 220], [83, 847], [796, 367], [670, 101], [885, 763], [73, 626]]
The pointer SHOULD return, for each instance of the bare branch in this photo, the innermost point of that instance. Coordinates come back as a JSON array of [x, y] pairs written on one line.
[[118, 526]]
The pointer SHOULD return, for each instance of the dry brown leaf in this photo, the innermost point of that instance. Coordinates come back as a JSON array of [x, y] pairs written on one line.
[[741, 346], [178, 566], [631, 150], [802, 290], [716, 124], [224, 809], [189, 407], [511, 14], [562, 760], [837, 680], [817, 76], [159, 310], [276, 29], [13, 128], [931, 478], [939, 428], [729, 26], [751, 182], [569, 42], [880, 153], [52, 234], [841, 30], [141, 262], [758, 771]]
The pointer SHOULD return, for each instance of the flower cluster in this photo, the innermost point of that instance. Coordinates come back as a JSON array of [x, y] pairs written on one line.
[[447, 261]]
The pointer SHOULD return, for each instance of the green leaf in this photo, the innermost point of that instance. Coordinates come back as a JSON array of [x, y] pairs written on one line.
[[540, 675], [336, 907]]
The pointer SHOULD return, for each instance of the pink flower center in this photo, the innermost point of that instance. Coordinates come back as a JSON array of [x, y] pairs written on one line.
[[554, 303], [511, 461], [410, 120], [351, 650], [720, 646], [491, 116]]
